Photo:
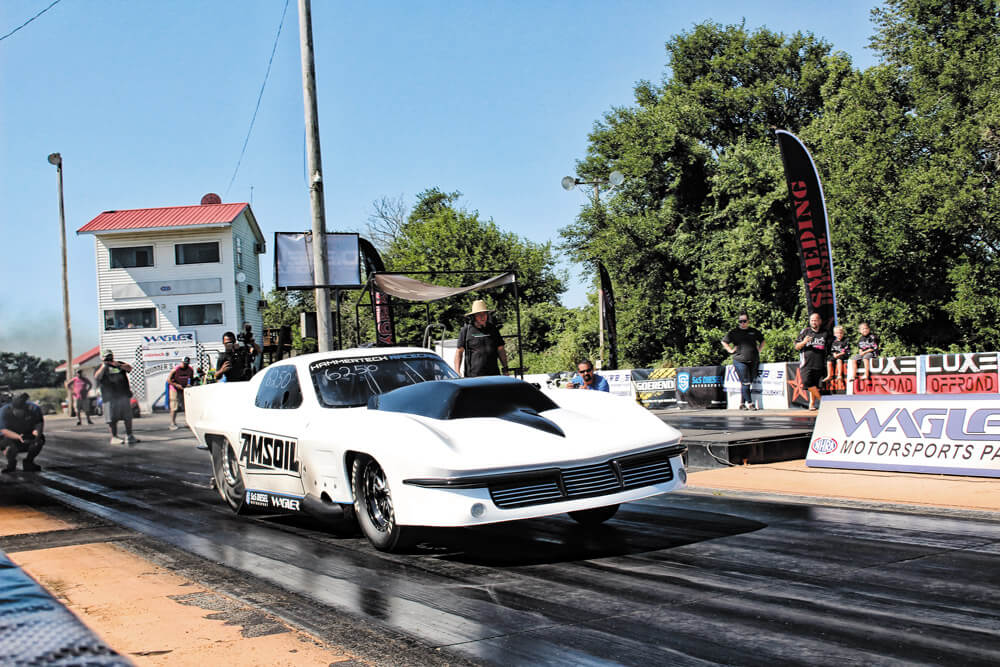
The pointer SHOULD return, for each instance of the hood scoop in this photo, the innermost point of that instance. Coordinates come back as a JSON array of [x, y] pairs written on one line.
[[498, 397]]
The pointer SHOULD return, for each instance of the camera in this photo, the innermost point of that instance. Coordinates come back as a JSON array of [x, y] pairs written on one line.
[[246, 336]]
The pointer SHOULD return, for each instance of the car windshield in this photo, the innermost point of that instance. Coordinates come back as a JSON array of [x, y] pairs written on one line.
[[345, 383]]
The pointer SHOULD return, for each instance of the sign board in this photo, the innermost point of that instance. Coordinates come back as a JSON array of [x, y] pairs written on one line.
[[701, 387], [947, 434], [768, 390], [655, 387], [971, 373], [889, 375], [619, 382], [293, 261]]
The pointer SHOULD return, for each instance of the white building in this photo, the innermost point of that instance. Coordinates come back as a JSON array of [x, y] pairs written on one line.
[[171, 281]]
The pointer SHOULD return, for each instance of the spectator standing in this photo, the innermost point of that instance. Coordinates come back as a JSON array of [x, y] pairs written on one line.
[[868, 349], [586, 378], [116, 395], [745, 344], [22, 428], [813, 344], [80, 386], [180, 378], [840, 348], [480, 345]]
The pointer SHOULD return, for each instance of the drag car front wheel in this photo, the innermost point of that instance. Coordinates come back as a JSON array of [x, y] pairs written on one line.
[[596, 516], [373, 507], [226, 467]]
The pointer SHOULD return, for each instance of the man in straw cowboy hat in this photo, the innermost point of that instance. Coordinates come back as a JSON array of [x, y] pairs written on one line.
[[480, 345]]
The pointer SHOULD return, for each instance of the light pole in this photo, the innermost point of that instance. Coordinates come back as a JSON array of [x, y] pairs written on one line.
[[56, 159], [613, 180]]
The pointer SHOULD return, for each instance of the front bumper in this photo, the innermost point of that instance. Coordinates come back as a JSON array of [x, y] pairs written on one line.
[[480, 499]]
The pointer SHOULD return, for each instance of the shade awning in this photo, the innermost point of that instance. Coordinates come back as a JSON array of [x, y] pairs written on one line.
[[403, 287]]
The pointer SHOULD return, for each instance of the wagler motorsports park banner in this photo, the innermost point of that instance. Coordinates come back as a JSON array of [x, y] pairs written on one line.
[[944, 434]]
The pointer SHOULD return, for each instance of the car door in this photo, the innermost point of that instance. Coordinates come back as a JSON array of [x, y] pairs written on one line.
[[269, 439]]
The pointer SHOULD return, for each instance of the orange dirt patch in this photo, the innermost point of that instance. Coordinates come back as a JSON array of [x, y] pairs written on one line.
[[795, 478], [155, 617], [23, 520]]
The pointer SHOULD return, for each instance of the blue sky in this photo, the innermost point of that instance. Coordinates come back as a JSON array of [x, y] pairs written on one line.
[[149, 104]]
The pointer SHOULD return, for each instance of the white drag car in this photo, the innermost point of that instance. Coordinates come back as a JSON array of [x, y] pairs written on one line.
[[393, 437]]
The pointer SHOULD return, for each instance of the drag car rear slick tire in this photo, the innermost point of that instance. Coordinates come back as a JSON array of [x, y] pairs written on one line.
[[373, 507], [228, 479], [595, 516]]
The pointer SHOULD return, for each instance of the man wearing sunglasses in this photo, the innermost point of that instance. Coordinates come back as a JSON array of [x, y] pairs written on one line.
[[587, 379], [745, 344]]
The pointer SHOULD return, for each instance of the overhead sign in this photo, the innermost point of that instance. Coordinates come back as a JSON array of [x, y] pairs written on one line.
[[293, 261], [952, 435]]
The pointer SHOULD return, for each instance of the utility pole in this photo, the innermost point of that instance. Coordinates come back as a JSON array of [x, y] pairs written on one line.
[[56, 159], [315, 162]]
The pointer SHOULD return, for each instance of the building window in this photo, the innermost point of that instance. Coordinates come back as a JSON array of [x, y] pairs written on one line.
[[239, 253], [132, 318], [127, 258], [196, 315], [197, 253]]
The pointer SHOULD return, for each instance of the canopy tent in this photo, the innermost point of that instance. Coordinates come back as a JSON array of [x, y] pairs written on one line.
[[412, 289]]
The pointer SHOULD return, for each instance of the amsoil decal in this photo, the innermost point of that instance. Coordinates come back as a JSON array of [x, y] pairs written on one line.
[[263, 452], [948, 435], [266, 501], [970, 373], [889, 375]]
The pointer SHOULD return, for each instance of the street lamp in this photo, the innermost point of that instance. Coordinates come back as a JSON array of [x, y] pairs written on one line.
[[613, 180], [56, 159]]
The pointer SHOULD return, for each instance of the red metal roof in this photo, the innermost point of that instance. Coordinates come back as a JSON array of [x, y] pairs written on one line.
[[86, 356], [160, 218]]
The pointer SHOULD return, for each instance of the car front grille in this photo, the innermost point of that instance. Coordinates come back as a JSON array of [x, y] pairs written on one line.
[[599, 479]]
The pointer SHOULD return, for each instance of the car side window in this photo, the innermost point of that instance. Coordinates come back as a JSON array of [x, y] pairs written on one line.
[[279, 390]]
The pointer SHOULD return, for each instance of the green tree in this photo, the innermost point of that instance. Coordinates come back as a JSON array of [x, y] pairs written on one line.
[[20, 370], [699, 229], [439, 236]]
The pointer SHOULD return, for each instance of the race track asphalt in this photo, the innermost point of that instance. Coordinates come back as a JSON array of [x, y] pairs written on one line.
[[698, 577]]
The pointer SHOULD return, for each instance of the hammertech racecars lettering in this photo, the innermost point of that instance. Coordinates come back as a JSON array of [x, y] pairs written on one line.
[[393, 438]]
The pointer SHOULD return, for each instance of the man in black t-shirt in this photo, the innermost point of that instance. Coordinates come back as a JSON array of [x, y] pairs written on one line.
[[234, 362], [22, 426], [745, 344], [480, 345], [116, 397], [813, 344]]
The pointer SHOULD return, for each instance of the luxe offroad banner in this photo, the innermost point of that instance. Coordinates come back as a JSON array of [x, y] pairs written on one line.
[[811, 226]]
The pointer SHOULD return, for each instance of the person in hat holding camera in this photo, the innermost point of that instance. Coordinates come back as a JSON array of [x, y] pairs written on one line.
[[480, 345], [117, 396], [21, 425]]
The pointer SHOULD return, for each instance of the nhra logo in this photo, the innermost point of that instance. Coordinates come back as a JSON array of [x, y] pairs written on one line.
[[683, 381], [824, 445]]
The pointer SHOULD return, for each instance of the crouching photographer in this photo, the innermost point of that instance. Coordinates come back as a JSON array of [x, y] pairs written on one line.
[[21, 424]]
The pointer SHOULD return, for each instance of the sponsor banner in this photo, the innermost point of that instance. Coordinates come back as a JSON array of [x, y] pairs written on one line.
[[951, 435], [655, 387], [970, 373], [768, 390], [609, 325], [701, 387], [889, 375], [256, 501], [619, 382], [811, 227], [165, 341], [160, 355]]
